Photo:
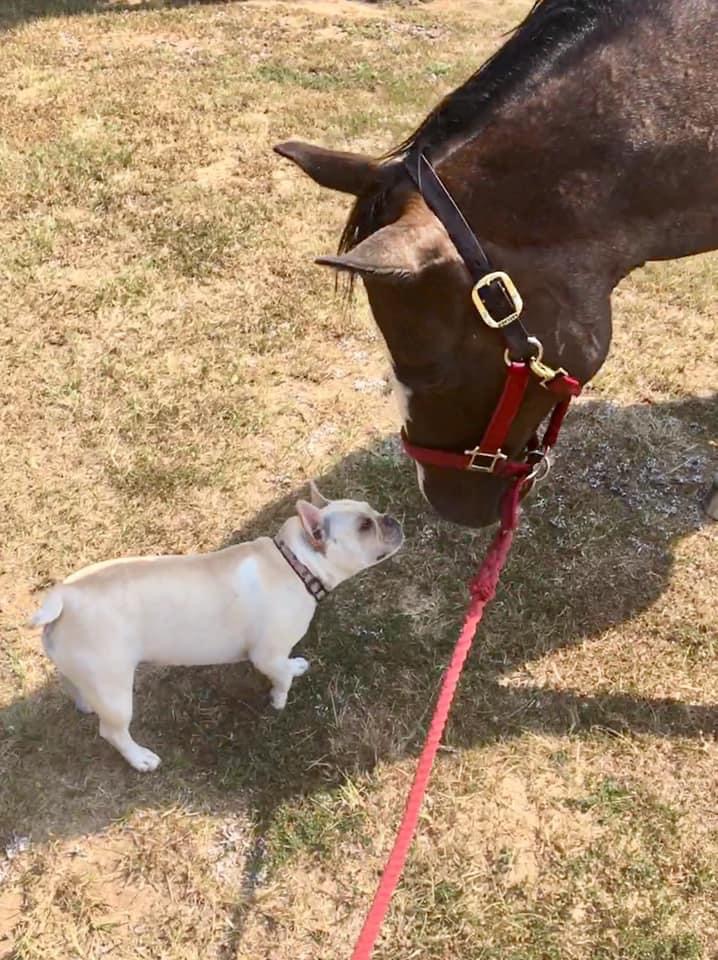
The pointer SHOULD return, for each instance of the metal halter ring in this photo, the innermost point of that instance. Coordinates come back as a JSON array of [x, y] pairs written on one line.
[[542, 370], [537, 359], [541, 468]]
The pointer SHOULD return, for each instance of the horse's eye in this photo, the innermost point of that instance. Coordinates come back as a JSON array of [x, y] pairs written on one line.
[[365, 525]]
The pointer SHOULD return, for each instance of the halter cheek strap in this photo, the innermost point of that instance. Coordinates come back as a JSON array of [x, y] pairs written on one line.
[[499, 306]]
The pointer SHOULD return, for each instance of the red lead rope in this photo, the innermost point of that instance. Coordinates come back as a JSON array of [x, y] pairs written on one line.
[[482, 588]]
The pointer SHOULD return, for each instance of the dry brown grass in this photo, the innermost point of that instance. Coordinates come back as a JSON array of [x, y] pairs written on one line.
[[172, 368]]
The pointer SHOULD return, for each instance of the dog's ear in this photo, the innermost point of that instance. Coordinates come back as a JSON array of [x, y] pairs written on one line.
[[316, 497], [312, 522]]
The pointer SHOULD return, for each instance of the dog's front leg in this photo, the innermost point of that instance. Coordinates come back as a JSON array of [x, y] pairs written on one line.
[[281, 671]]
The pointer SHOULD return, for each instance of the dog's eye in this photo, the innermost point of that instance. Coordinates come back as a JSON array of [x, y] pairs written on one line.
[[365, 525]]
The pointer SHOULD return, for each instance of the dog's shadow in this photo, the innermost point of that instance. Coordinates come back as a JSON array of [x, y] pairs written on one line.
[[595, 549]]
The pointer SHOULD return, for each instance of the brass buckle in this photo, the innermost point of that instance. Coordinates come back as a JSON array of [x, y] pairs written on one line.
[[493, 459], [510, 292]]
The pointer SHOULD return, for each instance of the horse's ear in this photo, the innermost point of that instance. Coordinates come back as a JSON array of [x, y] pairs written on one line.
[[400, 251], [346, 172]]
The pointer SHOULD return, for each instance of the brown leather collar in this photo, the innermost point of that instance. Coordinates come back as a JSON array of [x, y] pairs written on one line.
[[312, 584]]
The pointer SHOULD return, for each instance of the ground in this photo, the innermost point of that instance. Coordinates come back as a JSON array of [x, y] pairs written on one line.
[[173, 368]]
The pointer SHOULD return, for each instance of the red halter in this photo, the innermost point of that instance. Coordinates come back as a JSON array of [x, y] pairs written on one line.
[[499, 305], [488, 456]]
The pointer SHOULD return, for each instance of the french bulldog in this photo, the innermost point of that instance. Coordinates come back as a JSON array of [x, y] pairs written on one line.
[[253, 601]]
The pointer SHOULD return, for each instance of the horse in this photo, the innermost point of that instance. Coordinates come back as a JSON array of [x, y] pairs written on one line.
[[584, 147]]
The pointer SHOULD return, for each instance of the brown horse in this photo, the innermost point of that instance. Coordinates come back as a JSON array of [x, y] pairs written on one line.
[[587, 145]]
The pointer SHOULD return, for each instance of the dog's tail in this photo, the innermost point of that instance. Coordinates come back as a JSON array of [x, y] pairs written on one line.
[[49, 611], [46, 616]]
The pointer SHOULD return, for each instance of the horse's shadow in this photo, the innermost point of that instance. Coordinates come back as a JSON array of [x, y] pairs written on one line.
[[595, 550]]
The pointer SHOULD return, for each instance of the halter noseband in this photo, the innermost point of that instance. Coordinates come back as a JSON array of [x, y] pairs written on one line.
[[499, 305]]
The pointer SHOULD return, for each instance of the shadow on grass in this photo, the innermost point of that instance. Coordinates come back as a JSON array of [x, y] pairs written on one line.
[[15, 12], [595, 550]]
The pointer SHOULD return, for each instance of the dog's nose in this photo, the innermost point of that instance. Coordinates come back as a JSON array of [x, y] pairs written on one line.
[[389, 524]]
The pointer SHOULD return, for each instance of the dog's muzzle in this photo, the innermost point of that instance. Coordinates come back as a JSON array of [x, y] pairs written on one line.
[[391, 530]]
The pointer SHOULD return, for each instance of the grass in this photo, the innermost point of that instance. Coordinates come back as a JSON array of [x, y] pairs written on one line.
[[172, 370]]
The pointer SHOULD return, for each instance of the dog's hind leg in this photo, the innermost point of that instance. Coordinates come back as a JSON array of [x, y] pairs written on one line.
[[75, 694], [110, 696]]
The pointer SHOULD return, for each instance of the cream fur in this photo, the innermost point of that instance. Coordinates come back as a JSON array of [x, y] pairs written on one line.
[[240, 603]]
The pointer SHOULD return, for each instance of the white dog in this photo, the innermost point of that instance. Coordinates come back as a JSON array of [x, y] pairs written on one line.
[[253, 601]]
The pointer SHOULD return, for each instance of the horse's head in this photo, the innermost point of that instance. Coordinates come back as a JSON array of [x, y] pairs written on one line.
[[449, 367]]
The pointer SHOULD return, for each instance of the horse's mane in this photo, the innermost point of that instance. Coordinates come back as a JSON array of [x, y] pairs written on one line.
[[552, 31]]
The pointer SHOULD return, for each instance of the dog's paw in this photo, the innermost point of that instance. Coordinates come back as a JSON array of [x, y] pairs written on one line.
[[299, 666], [278, 699], [143, 759]]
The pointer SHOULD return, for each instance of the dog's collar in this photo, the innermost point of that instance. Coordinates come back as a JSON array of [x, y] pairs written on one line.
[[313, 585]]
